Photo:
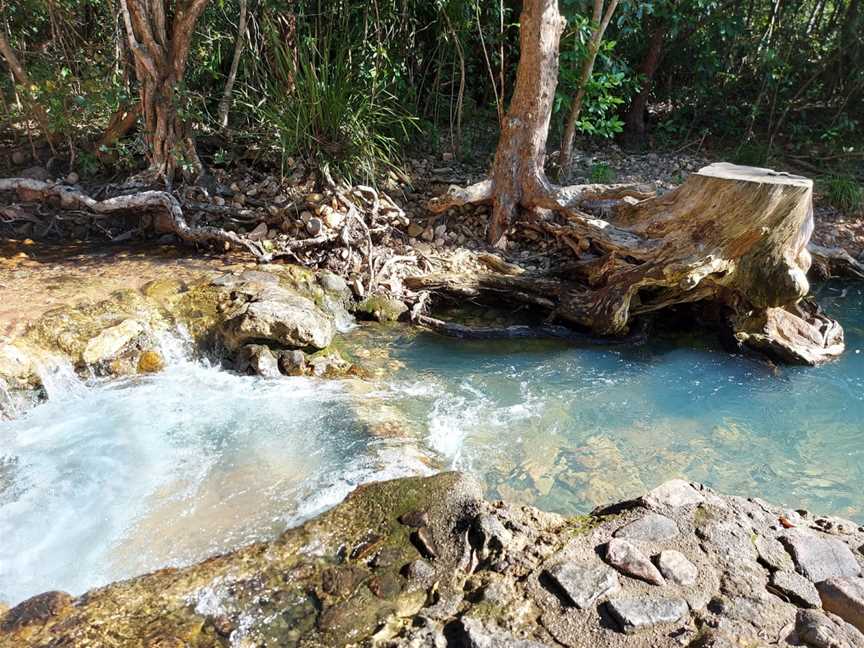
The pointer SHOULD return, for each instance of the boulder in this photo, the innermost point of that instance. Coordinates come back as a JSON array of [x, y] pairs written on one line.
[[289, 321], [108, 344]]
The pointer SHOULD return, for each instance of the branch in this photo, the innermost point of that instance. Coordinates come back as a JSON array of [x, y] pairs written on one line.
[[457, 196]]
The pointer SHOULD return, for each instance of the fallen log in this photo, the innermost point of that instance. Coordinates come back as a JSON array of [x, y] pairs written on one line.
[[731, 235]]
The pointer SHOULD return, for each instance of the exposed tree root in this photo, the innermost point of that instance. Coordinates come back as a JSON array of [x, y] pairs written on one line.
[[161, 203], [732, 235]]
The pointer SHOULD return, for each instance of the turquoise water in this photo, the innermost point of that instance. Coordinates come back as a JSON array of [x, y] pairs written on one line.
[[567, 428], [106, 481]]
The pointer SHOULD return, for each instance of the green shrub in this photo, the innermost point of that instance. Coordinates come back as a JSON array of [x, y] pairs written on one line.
[[602, 173], [844, 193], [329, 111]]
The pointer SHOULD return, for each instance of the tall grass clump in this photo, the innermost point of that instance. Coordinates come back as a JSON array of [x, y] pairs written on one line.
[[844, 193], [328, 107]]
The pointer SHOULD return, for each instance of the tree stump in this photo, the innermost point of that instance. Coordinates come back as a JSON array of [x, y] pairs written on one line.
[[730, 235]]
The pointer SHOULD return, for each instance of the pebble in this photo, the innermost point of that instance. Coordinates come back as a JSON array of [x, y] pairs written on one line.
[[639, 613], [818, 557], [415, 230], [626, 558], [259, 233], [794, 588], [72, 178], [675, 567], [314, 226], [584, 584], [845, 598], [650, 528]]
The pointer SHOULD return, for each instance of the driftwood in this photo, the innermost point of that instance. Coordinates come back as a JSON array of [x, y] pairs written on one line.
[[834, 262], [731, 235]]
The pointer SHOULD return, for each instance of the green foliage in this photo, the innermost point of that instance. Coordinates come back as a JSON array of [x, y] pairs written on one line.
[[751, 154], [602, 173], [844, 193], [334, 109], [610, 86]]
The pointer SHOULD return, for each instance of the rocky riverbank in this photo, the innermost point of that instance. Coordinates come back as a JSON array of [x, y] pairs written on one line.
[[428, 562]]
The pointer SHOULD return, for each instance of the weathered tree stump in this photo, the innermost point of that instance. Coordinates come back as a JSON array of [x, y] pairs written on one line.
[[731, 235]]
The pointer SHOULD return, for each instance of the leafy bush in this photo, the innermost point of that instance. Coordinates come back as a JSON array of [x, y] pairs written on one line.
[[328, 111], [844, 193], [602, 173]]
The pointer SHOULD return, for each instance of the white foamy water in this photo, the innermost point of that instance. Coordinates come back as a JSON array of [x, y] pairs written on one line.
[[118, 479]]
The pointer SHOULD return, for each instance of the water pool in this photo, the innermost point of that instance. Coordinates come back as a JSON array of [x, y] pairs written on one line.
[[112, 480]]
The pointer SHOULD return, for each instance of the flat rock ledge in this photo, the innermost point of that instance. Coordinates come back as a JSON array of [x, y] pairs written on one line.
[[428, 562]]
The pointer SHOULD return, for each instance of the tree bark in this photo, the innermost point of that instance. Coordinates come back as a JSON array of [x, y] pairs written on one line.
[[731, 236], [601, 22], [161, 49], [634, 119], [225, 102]]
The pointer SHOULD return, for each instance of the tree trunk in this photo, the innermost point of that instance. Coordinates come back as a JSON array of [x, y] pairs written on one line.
[[23, 79], [601, 22], [634, 120], [730, 236], [160, 51], [225, 102]]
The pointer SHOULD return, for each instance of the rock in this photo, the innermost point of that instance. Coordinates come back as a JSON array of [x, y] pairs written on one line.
[[818, 557], [652, 527], [259, 359], [150, 362], [381, 308], [290, 321], [36, 609], [675, 567], [480, 635], [415, 230], [428, 234], [419, 570], [673, 494], [794, 588], [314, 226], [845, 598], [16, 367], [818, 630], [425, 543], [72, 178], [584, 584], [292, 363], [332, 282], [18, 158], [627, 559], [415, 519], [111, 341], [639, 613], [331, 217], [35, 173], [493, 536], [259, 233], [773, 555]]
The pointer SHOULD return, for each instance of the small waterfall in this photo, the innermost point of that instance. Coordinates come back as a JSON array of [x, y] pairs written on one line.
[[8, 409], [59, 379], [343, 319], [175, 346]]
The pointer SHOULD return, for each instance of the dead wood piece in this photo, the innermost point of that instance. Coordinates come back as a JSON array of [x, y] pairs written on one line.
[[834, 262], [732, 235]]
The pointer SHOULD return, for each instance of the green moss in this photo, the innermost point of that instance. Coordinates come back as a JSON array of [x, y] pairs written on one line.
[[381, 308]]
